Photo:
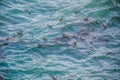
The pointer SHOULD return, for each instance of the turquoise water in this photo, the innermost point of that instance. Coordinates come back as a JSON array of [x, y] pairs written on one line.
[[59, 40]]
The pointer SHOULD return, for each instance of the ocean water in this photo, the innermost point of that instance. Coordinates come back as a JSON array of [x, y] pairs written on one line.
[[59, 39]]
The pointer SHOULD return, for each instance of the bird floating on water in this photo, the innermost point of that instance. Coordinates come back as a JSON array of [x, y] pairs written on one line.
[[61, 19], [53, 78], [82, 39], [86, 19], [44, 38], [20, 32], [49, 26], [106, 39], [3, 42], [75, 43], [97, 22], [41, 45], [105, 26], [65, 36]]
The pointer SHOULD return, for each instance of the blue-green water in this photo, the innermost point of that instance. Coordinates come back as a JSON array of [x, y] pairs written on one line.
[[59, 40]]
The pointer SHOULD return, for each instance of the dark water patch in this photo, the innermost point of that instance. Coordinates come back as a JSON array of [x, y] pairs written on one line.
[[3, 34], [15, 11], [4, 5], [3, 65], [2, 23], [115, 21], [8, 19]]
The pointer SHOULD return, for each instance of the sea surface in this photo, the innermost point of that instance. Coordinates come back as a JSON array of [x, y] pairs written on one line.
[[59, 39]]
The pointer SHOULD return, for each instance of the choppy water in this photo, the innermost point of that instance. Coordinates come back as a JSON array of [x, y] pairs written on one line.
[[59, 40]]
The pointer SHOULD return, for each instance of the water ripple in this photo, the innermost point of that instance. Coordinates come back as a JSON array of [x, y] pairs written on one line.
[[59, 40]]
